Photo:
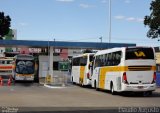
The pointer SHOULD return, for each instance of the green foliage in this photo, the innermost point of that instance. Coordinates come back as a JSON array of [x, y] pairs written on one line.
[[153, 20], [4, 25], [9, 36]]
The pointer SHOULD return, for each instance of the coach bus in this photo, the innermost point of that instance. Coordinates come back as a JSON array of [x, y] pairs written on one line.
[[24, 67], [81, 70], [6, 67], [125, 69]]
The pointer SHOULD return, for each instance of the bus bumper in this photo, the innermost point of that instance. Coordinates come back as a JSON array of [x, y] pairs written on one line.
[[25, 78], [88, 82], [139, 88]]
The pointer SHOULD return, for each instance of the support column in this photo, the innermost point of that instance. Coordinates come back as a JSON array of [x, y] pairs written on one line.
[[51, 62]]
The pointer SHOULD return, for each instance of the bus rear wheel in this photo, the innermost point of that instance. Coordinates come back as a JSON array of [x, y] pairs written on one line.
[[72, 81], [112, 89]]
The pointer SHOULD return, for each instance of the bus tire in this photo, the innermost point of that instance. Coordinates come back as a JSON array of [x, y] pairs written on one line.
[[72, 81], [95, 85], [112, 88]]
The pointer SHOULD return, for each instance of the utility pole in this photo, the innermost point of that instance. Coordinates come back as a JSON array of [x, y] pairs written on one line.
[[110, 21], [48, 55]]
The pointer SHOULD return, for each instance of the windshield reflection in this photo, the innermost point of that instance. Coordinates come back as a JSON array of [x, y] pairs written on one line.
[[24, 67]]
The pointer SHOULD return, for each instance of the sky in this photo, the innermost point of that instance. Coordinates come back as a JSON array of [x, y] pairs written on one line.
[[79, 20]]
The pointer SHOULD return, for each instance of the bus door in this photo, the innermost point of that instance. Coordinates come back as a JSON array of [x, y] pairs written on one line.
[[83, 66], [98, 77]]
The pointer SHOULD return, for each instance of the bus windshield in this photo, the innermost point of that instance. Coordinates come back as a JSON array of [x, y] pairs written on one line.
[[24, 66], [139, 53]]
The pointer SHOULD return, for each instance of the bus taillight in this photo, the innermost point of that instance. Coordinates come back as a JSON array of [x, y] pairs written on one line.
[[88, 75], [125, 78], [154, 77]]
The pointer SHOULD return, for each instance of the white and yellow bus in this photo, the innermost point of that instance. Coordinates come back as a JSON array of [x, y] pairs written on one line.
[[6, 67], [125, 69], [81, 71], [24, 68]]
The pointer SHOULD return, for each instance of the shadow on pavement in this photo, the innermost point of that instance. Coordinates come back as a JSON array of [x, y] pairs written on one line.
[[23, 83], [128, 94], [140, 94], [68, 110]]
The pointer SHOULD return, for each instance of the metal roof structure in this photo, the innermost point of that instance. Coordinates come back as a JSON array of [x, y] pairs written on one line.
[[61, 44]]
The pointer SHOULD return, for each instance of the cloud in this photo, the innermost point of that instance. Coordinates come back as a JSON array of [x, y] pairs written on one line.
[[130, 19], [23, 24], [65, 0], [140, 19], [119, 17], [86, 5]]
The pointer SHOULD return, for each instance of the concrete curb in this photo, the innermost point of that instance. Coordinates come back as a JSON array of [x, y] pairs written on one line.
[[56, 87]]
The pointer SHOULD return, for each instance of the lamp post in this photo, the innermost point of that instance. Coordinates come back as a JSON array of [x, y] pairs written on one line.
[[101, 41], [110, 21]]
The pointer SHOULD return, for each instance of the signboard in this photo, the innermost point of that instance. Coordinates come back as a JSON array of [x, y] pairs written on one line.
[[63, 66], [48, 79], [35, 50]]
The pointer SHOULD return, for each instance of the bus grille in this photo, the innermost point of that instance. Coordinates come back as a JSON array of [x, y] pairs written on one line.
[[139, 68]]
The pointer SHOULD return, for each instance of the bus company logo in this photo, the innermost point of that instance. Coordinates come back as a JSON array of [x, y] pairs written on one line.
[[140, 54], [139, 110], [9, 109]]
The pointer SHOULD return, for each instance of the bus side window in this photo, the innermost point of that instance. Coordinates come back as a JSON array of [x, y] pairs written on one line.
[[83, 61], [101, 61], [76, 62], [113, 59], [106, 59], [117, 57], [109, 59], [96, 61]]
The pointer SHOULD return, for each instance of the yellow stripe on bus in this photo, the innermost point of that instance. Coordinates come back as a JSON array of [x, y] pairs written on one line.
[[24, 74], [82, 68], [104, 70]]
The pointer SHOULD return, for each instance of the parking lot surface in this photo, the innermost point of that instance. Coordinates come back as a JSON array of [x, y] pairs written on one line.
[[71, 97], [34, 95]]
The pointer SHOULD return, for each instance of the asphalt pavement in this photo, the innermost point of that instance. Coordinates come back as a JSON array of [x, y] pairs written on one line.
[[72, 97]]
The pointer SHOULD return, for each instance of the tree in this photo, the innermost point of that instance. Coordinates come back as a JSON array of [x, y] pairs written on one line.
[[4, 25], [153, 20]]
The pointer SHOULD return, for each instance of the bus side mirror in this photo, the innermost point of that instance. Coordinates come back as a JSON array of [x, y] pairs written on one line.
[[90, 65]]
